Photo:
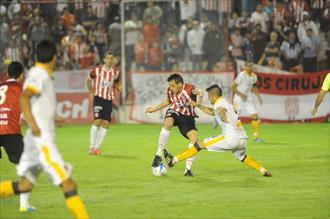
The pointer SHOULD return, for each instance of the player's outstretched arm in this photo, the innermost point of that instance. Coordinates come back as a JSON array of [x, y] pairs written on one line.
[[207, 110], [318, 101], [26, 109], [160, 106]]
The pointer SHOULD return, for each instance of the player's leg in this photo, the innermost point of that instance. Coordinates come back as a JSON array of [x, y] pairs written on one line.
[[239, 153], [72, 199], [14, 148], [59, 173], [255, 127], [105, 115], [164, 136], [9, 188], [192, 135], [97, 108]]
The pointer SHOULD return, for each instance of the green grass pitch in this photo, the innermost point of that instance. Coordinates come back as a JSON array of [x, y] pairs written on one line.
[[119, 183]]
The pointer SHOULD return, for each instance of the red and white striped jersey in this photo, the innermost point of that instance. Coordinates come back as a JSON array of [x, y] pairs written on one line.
[[180, 102], [103, 81]]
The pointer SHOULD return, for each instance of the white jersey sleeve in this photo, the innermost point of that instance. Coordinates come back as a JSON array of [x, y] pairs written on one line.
[[240, 78], [34, 80]]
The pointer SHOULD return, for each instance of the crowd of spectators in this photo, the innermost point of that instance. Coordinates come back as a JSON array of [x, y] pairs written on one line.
[[186, 35]]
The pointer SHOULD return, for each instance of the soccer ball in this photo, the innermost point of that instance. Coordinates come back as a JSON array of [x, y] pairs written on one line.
[[161, 170]]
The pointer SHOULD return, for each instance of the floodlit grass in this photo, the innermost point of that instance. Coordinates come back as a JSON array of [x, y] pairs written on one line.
[[119, 183]]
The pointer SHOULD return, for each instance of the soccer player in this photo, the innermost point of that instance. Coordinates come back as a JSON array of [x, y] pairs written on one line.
[[243, 87], [38, 103], [324, 90], [233, 136], [105, 78], [180, 113], [10, 121]]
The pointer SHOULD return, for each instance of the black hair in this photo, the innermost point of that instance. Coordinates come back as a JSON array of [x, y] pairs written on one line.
[[15, 70], [46, 50], [176, 77], [215, 86], [107, 53]]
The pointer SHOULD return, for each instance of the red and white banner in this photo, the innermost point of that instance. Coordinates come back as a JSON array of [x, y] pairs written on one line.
[[290, 98], [150, 90]]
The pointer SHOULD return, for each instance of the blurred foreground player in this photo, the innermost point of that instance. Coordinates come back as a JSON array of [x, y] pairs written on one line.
[[11, 138], [38, 103], [324, 90]]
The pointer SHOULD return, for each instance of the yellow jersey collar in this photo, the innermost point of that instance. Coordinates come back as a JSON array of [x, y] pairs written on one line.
[[248, 73], [218, 99], [46, 67]]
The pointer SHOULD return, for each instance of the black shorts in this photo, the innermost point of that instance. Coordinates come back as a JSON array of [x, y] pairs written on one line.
[[102, 108], [184, 123], [13, 145]]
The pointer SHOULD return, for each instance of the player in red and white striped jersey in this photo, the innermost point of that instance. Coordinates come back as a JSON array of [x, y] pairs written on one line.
[[180, 113], [104, 78], [11, 138]]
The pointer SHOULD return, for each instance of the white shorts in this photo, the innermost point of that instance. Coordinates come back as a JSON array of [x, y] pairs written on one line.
[[244, 106], [42, 154], [220, 144]]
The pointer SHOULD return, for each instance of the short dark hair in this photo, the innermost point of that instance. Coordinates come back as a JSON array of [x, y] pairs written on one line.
[[215, 87], [176, 77], [107, 53], [45, 51], [15, 70]]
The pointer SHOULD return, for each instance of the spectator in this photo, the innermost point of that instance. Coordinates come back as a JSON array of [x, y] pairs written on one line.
[[115, 36], [94, 49], [183, 35], [155, 57], [13, 52], [259, 40], [248, 47], [140, 50], [101, 38], [59, 31], [310, 44], [306, 24], [272, 53], [87, 59], [195, 40], [204, 22], [188, 9], [212, 46], [243, 22], [151, 31], [90, 19], [260, 17], [236, 45], [232, 22], [68, 18], [291, 50], [154, 12], [39, 31], [172, 51], [78, 48], [133, 28]]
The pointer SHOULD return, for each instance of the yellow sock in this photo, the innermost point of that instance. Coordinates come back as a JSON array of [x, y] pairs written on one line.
[[249, 161], [255, 128], [6, 189], [76, 207], [187, 154]]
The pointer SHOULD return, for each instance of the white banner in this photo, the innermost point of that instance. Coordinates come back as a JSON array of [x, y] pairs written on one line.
[[73, 81], [150, 89], [290, 107]]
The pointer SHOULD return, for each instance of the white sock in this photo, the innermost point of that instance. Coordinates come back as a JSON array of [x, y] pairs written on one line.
[[93, 135], [162, 141], [190, 160], [100, 137], [24, 200]]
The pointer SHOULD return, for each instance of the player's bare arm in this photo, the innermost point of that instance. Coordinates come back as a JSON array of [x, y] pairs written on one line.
[[207, 110], [257, 93], [222, 113], [90, 87], [26, 109], [160, 106], [236, 91], [318, 101]]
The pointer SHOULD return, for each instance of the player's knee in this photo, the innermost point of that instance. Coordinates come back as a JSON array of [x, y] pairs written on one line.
[[192, 135], [68, 185], [25, 185], [105, 124], [97, 122], [168, 124]]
